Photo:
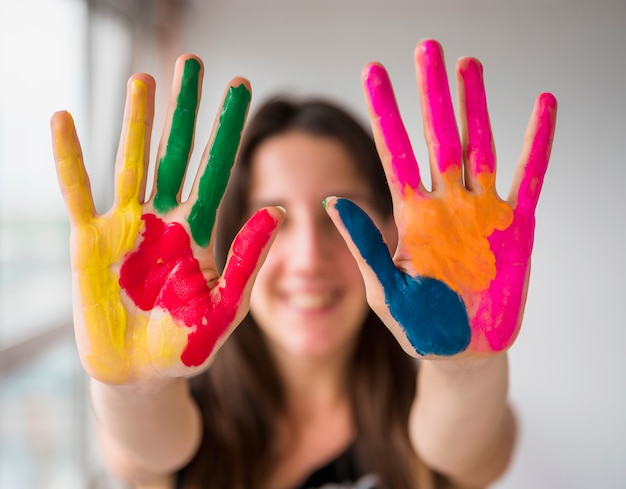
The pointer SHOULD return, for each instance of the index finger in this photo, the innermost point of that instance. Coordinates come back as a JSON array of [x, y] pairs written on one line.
[[218, 161], [392, 140]]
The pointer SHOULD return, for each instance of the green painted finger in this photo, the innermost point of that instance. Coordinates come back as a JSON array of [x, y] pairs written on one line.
[[172, 166], [221, 159]]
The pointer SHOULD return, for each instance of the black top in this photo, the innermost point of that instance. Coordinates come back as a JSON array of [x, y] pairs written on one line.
[[340, 473]]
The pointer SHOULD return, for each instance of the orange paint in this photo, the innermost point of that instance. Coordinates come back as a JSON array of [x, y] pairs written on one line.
[[446, 235]]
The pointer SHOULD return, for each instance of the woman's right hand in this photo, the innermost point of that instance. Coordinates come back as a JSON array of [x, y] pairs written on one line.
[[149, 302]]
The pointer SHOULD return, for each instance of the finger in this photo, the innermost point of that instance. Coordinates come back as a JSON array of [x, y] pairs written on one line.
[[218, 160], [392, 140], [535, 155], [365, 241], [431, 316], [73, 178], [478, 145], [247, 253], [135, 142], [440, 130], [181, 117]]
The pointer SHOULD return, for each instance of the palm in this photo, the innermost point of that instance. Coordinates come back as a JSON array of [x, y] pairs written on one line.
[[149, 301], [457, 282]]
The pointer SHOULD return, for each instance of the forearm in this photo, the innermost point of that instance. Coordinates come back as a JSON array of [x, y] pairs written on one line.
[[146, 433], [461, 423]]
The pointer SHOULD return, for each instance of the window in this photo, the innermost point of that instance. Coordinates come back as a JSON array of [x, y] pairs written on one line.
[[51, 52]]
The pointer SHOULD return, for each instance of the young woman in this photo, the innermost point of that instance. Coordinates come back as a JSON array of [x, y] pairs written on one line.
[[317, 386]]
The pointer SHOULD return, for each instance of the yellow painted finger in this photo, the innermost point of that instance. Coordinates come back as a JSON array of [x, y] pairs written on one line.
[[71, 171], [130, 176]]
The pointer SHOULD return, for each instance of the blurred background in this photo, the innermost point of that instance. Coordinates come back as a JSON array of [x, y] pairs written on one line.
[[568, 368]]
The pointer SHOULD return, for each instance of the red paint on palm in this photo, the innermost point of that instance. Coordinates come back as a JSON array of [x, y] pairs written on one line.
[[163, 273]]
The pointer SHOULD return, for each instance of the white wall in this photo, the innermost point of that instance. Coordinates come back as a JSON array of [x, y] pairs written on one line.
[[568, 367]]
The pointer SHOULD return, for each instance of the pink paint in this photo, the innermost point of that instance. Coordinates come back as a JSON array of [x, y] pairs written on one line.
[[440, 127], [498, 314], [164, 273], [383, 104], [512, 247], [495, 310], [539, 154], [479, 151]]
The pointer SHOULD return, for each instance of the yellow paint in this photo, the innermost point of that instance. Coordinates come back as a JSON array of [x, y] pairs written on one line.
[[158, 342], [123, 340], [446, 235], [153, 344]]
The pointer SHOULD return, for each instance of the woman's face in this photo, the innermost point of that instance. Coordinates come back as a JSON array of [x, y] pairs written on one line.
[[308, 298]]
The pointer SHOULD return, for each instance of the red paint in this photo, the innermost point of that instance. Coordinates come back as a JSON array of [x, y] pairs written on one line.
[[163, 273]]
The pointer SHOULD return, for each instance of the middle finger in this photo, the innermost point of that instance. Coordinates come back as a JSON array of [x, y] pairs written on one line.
[[440, 129], [182, 120]]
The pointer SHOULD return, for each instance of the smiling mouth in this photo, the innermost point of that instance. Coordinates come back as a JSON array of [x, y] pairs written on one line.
[[308, 301]]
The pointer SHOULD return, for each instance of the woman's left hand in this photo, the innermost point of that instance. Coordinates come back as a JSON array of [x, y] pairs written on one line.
[[458, 280]]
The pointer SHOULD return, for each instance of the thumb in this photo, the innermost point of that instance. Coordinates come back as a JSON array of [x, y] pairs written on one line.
[[247, 254], [424, 314], [366, 243], [245, 258]]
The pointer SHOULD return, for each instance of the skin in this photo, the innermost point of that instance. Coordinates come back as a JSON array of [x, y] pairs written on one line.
[[151, 308], [148, 300], [308, 297], [457, 282]]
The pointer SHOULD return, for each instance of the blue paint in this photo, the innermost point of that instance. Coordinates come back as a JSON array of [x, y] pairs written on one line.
[[431, 314]]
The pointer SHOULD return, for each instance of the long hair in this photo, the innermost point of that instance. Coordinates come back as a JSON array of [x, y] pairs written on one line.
[[241, 394]]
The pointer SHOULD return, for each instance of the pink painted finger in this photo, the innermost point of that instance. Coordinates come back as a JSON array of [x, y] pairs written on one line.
[[535, 154], [440, 127], [477, 136], [396, 151], [71, 172]]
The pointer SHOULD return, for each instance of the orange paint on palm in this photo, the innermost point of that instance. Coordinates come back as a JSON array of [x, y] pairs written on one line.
[[446, 235]]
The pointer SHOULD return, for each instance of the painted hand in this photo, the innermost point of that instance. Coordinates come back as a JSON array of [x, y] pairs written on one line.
[[149, 302], [458, 280]]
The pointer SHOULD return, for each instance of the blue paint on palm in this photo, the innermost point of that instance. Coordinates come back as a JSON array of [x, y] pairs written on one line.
[[431, 314]]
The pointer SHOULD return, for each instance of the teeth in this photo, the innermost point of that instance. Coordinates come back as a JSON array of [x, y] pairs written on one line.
[[310, 301]]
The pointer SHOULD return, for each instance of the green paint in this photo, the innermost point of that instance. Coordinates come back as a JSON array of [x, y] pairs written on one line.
[[221, 160], [173, 165]]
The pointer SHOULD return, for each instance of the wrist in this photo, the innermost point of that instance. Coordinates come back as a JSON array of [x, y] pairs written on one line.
[[465, 365], [145, 389]]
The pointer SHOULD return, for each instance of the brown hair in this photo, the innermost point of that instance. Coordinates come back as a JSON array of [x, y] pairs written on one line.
[[241, 394]]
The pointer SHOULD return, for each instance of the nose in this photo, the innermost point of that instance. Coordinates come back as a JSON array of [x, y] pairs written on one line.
[[313, 243]]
